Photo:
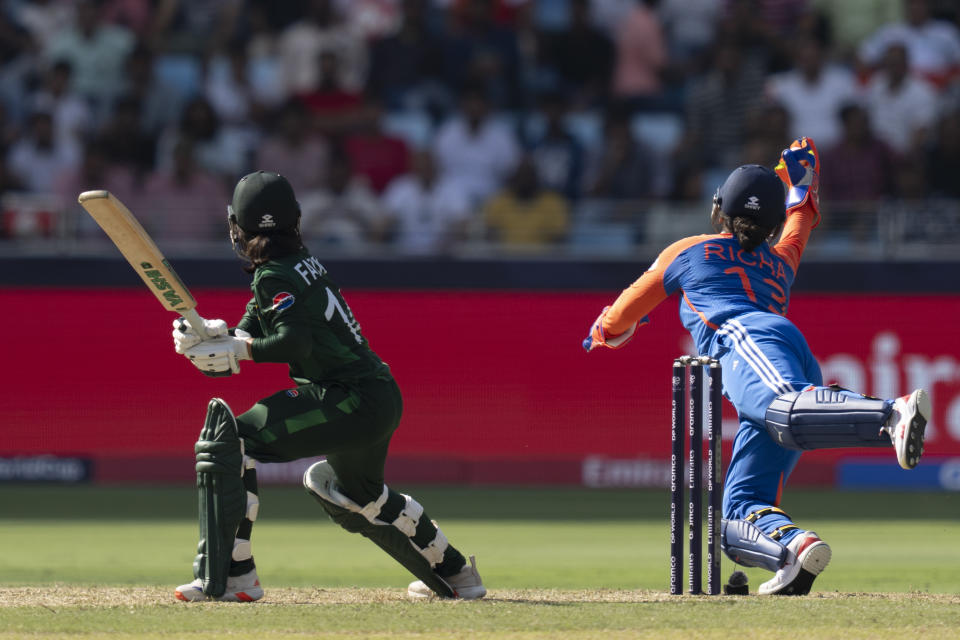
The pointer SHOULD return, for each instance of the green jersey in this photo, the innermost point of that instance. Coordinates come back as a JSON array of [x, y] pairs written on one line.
[[298, 316]]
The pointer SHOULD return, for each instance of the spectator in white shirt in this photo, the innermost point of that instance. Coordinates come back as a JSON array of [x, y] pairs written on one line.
[[428, 215], [475, 152], [933, 45], [813, 93], [690, 25], [853, 21], [322, 30], [228, 87], [343, 213], [96, 52], [44, 20], [902, 105], [72, 119], [39, 158]]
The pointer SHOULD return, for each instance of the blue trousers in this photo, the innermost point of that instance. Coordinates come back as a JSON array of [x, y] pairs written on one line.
[[763, 355]]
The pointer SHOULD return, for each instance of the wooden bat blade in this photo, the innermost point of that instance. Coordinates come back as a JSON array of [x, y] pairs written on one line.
[[139, 249]]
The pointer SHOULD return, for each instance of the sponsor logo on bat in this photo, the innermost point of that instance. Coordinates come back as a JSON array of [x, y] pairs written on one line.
[[161, 284]]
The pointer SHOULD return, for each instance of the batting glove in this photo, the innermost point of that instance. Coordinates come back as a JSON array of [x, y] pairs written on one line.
[[220, 356], [799, 168], [597, 338], [185, 336]]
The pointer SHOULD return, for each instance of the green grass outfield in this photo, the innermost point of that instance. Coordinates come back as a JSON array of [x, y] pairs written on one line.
[[558, 563]]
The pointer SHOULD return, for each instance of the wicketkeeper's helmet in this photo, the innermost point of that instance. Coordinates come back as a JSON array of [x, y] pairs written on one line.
[[754, 192]]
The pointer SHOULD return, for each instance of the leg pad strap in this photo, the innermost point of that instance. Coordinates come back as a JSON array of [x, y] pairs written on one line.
[[241, 550], [409, 516], [753, 516], [323, 481]]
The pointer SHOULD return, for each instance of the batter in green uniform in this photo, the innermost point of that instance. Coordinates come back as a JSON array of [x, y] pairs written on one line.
[[346, 406]]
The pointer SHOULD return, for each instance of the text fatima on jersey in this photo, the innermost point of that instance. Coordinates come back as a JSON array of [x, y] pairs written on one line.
[[309, 269]]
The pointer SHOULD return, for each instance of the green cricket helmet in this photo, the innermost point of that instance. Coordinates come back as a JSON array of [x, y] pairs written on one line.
[[263, 202]]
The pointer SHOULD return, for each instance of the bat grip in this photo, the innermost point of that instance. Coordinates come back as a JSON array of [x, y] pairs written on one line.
[[196, 322]]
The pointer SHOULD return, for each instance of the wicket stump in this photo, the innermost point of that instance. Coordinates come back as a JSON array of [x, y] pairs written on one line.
[[692, 369]]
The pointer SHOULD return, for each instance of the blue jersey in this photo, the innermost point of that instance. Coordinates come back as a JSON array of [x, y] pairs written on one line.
[[718, 280]]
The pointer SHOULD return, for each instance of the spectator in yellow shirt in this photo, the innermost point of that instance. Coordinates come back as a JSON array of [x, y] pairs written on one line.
[[525, 214]]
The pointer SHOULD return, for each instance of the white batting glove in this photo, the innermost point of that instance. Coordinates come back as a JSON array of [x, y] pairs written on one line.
[[220, 356], [185, 336]]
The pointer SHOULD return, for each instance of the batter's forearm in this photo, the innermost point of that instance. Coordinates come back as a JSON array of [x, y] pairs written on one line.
[[287, 345]]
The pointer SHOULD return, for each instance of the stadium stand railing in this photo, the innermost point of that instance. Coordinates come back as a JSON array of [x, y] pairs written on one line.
[[39, 225]]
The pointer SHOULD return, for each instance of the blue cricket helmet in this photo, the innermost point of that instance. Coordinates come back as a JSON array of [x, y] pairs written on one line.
[[754, 192]]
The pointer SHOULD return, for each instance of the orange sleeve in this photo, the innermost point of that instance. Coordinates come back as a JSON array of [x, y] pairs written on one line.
[[796, 232], [641, 297]]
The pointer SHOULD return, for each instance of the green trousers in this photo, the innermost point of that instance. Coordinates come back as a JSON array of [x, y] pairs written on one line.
[[350, 423]]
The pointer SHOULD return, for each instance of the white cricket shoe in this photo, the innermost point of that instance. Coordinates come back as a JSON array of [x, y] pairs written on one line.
[[245, 588], [807, 556], [906, 426], [466, 584]]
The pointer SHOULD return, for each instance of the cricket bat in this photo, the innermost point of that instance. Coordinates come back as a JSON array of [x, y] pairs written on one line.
[[142, 253]]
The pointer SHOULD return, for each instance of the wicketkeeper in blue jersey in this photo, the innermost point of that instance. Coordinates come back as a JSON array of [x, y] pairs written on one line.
[[734, 287]]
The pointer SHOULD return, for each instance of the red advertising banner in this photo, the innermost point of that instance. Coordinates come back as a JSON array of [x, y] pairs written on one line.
[[494, 382]]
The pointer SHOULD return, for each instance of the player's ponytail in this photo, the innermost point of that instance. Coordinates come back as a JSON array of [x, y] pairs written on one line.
[[749, 234]]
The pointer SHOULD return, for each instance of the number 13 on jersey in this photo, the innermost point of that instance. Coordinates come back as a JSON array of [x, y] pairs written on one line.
[[769, 288]]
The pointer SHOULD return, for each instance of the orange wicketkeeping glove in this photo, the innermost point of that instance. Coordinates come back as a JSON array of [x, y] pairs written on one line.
[[598, 339], [799, 168]]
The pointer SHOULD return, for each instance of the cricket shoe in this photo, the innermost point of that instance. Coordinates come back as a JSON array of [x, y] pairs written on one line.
[[807, 556], [466, 584], [244, 588], [906, 426]]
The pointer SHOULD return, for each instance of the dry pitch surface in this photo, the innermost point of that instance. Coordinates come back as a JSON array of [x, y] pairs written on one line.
[[121, 613], [76, 596]]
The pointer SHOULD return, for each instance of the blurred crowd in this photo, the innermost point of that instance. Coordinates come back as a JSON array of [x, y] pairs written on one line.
[[415, 125]]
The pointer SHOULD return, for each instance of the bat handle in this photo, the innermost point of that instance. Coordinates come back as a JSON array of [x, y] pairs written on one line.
[[196, 322]]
